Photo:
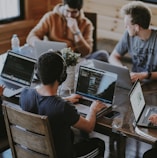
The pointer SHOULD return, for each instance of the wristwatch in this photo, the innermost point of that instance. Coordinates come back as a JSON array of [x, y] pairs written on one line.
[[149, 74]]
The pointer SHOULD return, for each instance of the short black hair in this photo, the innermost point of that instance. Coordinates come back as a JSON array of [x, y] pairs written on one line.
[[50, 67], [75, 4]]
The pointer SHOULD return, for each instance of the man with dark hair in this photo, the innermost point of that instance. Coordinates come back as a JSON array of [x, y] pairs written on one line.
[[67, 23], [62, 114], [139, 41]]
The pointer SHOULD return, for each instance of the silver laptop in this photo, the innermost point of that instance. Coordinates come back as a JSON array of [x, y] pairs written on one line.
[[43, 46], [123, 81], [140, 109], [17, 73], [95, 84]]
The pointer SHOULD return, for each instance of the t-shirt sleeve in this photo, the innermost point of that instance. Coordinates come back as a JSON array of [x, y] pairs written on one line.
[[122, 45], [71, 114]]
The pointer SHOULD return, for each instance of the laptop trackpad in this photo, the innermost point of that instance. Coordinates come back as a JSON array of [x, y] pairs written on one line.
[[82, 108]]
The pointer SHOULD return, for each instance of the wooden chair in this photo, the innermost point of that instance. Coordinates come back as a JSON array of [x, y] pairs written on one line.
[[93, 18], [29, 134]]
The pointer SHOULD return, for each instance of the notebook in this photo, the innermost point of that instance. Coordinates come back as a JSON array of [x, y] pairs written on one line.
[[17, 73], [123, 81], [141, 110], [43, 46], [95, 84]]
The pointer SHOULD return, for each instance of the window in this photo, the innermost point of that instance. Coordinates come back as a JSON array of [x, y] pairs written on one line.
[[150, 1], [11, 10]]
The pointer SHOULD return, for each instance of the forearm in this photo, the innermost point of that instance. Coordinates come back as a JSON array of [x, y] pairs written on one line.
[[143, 75], [86, 124], [91, 117]]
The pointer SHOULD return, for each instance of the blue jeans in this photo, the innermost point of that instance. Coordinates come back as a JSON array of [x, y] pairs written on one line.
[[101, 55]]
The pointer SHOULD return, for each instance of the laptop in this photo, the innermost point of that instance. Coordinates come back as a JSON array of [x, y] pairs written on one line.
[[17, 73], [41, 46], [95, 84], [123, 81], [141, 110]]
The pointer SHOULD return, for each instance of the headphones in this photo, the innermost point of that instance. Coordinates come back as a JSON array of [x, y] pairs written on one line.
[[62, 77]]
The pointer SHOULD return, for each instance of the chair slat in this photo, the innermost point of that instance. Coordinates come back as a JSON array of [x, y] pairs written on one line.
[[29, 135], [30, 140], [27, 153]]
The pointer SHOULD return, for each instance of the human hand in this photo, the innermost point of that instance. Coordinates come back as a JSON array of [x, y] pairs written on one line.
[[74, 98], [138, 75], [1, 89], [72, 24], [96, 106], [153, 119]]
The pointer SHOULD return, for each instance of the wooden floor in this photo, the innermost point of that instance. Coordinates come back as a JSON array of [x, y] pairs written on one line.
[[134, 148]]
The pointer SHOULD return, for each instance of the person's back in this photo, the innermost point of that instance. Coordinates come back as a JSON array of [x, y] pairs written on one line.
[[62, 114]]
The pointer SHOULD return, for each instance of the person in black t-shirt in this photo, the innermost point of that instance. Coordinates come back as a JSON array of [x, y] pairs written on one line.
[[62, 114]]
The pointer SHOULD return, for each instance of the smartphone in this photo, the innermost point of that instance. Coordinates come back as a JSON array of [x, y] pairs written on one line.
[[111, 114]]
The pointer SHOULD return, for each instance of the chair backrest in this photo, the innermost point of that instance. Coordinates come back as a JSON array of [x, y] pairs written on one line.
[[29, 134], [93, 18]]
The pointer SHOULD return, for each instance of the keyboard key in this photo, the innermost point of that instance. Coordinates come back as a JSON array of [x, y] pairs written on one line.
[[85, 102]]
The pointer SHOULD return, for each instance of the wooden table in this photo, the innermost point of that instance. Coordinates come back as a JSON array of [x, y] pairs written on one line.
[[122, 104]]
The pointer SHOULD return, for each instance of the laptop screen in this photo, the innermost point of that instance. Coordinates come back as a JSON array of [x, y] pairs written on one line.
[[123, 81], [96, 84], [18, 68], [137, 99]]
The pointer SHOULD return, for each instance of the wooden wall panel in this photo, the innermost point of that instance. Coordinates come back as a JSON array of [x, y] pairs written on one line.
[[34, 10], [110, 23]]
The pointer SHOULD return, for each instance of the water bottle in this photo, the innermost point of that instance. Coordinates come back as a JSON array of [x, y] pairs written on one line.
[[15, 43]]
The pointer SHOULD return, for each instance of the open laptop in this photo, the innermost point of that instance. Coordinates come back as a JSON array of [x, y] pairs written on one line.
[[141, 110], [17, 73], [95, 84], [123, 81], [43, 46]]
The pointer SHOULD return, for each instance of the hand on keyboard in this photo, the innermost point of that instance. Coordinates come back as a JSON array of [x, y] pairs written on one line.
[[97, 106], [153, 119]]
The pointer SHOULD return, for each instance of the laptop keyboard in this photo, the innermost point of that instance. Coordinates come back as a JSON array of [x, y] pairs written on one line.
[[10, 92], [85, 102], [9, 85], [10, 89]]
